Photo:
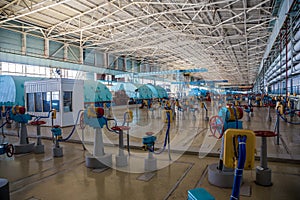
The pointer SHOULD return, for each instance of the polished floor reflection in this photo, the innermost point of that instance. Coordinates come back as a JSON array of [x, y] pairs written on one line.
[[41, 176]]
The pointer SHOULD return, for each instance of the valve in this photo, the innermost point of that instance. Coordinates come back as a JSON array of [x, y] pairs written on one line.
[[279, 107], [53, 114], [148, 141], [17, 114], [216, 125], [289, 104], [90, 112], [99, 112], [81, 121], [202, 104], [15, 110], [129, 117], [7, 148], [168, 105], [95, 112], [21, 110], [236, 103], [56, 131], [94, 117], [57, 150]]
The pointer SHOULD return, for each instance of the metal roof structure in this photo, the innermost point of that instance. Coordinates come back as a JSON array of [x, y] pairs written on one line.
[[227, 37]]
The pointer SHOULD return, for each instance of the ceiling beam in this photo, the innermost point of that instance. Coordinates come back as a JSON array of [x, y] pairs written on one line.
[[42, 7]]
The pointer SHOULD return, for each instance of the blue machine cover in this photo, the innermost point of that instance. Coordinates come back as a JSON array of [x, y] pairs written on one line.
[[157, 91], [95, 91], [12, 90]]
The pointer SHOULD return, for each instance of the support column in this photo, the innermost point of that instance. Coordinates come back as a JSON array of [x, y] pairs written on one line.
[[66, 52], [291, 50], [105, 59], [139, 67], [116, 61], [46, 48], [280, 62], [24, 42], [110, 64], [124, 63], [80, 55]]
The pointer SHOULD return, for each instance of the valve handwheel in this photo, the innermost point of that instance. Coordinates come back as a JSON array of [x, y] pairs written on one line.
[[9, 150], [81, 122], [216, 126], [39, 122]]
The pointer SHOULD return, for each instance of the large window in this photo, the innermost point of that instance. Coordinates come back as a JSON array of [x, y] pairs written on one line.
[[38, 102], [42, 101], [55, 100], [38, 71], [46, 101], [68, 101], [30, 102]]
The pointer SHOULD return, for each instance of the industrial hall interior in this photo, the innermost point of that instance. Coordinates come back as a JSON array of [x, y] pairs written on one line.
[[150, 99]]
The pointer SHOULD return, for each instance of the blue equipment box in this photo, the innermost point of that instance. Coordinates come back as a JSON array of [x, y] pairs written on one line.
[[199, 194], [234, 124]]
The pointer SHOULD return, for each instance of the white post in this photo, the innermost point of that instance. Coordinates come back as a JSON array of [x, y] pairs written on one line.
[[24, 42], [80, 55], [66, 52], [98, 143], [46, 48]]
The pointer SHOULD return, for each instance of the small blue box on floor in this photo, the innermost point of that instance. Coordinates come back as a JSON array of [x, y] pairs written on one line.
[[199, 194]]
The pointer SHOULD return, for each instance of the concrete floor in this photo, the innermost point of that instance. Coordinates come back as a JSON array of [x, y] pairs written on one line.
[[40, 176]]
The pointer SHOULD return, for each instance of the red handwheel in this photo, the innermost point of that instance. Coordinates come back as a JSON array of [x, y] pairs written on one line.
[[10, 150], [216, 126], [81, 122]]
